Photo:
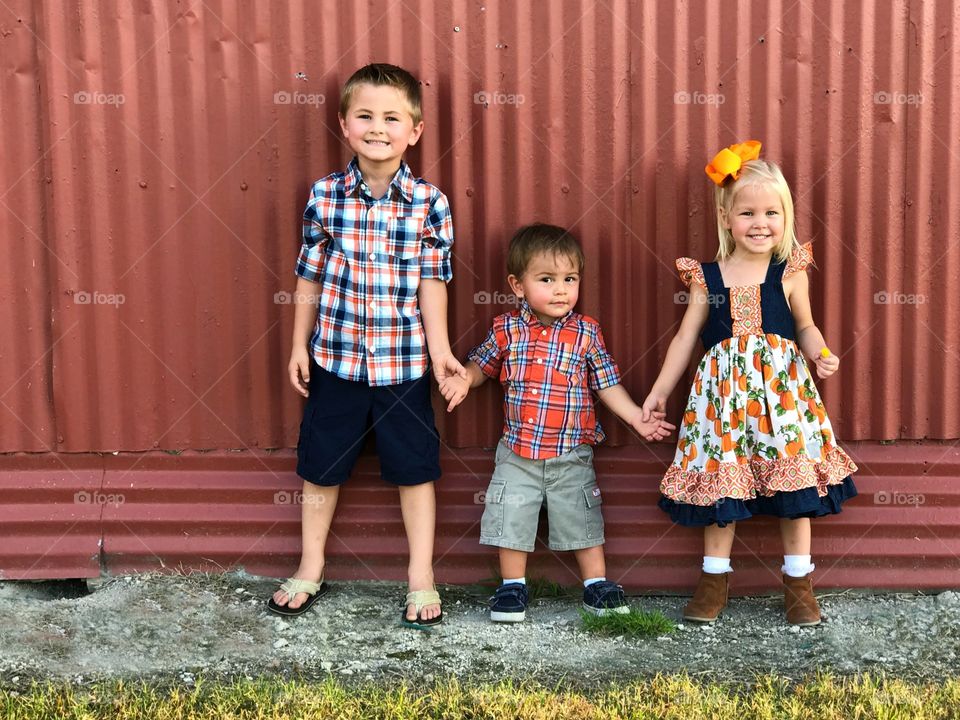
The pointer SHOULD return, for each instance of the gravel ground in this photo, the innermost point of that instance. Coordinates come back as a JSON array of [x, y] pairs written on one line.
[[176, 628]]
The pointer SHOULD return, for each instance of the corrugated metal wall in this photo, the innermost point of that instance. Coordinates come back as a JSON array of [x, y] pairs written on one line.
[[157, 158], [150, 159]]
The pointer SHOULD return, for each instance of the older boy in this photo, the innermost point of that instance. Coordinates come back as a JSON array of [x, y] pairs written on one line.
[[374, 262]]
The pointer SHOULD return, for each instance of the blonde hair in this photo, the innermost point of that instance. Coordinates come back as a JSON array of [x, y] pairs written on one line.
[[756, 173], [383, 74]]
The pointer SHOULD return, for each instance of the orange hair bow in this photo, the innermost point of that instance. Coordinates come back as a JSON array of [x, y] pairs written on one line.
[[727, 162]]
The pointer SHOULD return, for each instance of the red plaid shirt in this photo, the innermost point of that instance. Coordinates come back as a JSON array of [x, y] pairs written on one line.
[[547, 372], [369, 256]]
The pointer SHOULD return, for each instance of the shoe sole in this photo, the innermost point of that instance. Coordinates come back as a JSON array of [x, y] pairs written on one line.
[[704, 620], [807, 624], [507, 617], [603, 612]]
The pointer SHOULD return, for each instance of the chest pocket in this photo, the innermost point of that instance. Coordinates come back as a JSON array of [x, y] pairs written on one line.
[[402, 238], [570, 362]]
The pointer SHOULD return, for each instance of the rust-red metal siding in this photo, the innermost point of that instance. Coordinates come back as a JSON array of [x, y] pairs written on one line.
[[238, 510], [150, 157]]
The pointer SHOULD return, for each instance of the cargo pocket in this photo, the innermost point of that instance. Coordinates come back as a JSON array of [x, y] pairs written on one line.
[[593, 520], [491, 524]]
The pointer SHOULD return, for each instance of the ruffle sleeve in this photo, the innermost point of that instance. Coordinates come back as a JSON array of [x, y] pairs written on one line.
[[800, 258], [691, 272]]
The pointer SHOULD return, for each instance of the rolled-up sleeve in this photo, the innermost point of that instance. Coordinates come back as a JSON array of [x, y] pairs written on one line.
[[488, 355], [313, 251], [603, 370], [435, 258]]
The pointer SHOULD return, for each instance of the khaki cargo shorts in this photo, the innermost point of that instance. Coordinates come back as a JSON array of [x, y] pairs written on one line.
[[519, 487]]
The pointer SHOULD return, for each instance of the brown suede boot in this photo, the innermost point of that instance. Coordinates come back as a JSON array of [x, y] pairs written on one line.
[[708, 599], [801, 605]]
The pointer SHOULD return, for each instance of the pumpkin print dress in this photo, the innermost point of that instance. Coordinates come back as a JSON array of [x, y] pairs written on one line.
[[755, 438]]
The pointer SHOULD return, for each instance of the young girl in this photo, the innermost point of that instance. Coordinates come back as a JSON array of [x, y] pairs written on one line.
[[755, 439]]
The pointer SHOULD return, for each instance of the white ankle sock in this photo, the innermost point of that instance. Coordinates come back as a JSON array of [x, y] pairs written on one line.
[[716, 565], [590, 581], [521, 580], [797, 565]]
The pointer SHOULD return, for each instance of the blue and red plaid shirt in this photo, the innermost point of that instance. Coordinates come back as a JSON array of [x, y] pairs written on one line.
[[547, 372], [369, 256]]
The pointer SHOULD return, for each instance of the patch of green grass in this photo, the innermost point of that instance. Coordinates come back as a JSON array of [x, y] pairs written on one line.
[[822, 697], [636, 623], [539, 588]]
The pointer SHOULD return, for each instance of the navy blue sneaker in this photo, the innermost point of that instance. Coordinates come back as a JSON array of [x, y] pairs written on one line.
[[604, 597], [509, 603]]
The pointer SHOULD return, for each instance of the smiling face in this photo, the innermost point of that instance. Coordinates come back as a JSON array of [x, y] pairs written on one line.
[[755, 220], [550, 284], [379, 127]]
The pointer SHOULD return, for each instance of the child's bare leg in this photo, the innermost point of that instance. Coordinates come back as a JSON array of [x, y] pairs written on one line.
[[718, 541], [796, 536], [316, 512], [419, 509], [513, 563], [591, 562]]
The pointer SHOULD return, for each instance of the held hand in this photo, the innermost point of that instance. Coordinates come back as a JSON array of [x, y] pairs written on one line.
[[447, 365], [826, 365], [655, 403], [298, 370], [454, 390], [654, 428]]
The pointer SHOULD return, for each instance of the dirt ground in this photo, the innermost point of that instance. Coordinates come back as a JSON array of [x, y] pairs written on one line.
[[177, 627]]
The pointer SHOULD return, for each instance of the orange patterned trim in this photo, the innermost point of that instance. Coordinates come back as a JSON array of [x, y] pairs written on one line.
[[691, 272], [800, 258], [758, 477], [745, 310]]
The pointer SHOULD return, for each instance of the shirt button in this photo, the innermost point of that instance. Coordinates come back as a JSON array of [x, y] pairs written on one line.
[[530, 420], [533, 392], [373, 350], [373, 306], [539, 361], [543, 332], [373, 256]]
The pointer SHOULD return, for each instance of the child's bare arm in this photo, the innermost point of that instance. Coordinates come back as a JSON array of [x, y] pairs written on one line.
[[678, 354], [619, 401], [304, 320], [454, 388], [432, 296], [809, 337]]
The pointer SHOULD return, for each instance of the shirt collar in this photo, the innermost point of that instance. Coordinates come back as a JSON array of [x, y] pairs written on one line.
[[402, 181], [530, 317]]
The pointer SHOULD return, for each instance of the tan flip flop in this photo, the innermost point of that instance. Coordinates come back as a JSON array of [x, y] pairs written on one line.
[[292, 586], [420, 599]]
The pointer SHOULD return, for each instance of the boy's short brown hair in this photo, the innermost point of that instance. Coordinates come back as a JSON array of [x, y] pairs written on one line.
[[533, 240], [384, 74]]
